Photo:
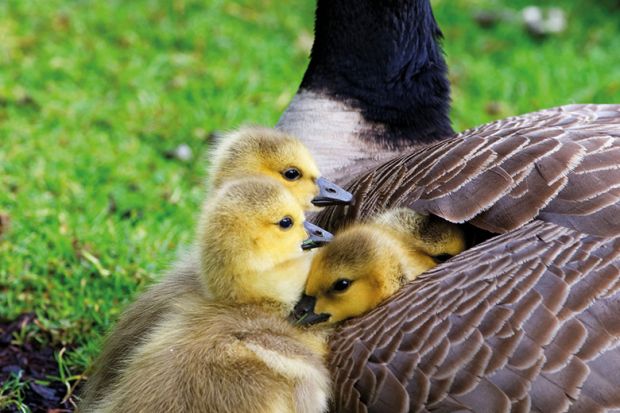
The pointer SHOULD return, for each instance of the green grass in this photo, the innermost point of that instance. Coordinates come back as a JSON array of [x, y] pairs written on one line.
[[93, 94], [12, 394]]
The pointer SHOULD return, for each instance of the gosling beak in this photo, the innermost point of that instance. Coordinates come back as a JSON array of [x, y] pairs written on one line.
[[304, 314], [331, 194], [317, 236]]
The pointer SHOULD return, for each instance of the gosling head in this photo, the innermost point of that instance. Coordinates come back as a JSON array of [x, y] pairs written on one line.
[[252, 151], [353, 274], [359, 269], [251, 237]]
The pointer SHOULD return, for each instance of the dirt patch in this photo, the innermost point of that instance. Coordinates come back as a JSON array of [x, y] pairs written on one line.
[[4, 223], [28, 360]]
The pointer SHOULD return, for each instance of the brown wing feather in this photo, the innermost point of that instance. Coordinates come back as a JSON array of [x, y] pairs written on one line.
[[525, 321], [528, 320], [560, 165]]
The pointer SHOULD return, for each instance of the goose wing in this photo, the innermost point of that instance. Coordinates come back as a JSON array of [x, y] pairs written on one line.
[[527, 321], [560, 165]]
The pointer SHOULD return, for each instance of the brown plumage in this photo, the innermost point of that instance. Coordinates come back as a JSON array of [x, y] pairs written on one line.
[[560, 165], [533, 330], [526, 321]]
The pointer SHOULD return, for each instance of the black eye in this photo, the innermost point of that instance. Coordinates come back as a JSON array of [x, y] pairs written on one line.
[[442, 257], [286, 223], [341, 285], [291, 174]]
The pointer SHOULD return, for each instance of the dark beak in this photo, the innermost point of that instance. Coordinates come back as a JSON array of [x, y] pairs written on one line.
[[317, 236], [331, 194], [304, 314]]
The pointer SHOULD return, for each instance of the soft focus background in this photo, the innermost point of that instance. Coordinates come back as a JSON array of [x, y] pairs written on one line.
[[106, 110]]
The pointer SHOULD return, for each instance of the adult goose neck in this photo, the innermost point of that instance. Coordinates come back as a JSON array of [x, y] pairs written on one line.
[[384, 59]]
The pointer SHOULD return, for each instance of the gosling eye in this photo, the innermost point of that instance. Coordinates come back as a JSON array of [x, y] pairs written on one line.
[[442, 257], [291, 174], [286, 223], [341, 285]]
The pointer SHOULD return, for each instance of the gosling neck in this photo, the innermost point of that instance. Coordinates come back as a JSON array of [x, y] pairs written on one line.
[[238, 280]]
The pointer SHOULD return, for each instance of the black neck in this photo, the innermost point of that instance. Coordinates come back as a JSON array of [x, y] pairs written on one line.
[[384, 58]]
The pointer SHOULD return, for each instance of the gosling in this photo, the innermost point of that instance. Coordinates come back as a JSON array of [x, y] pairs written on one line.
[[248, 152], [231, 348], [367, 263]]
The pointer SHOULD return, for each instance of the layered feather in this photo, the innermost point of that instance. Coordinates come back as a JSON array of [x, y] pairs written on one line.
[[560, 165], [528, 320]]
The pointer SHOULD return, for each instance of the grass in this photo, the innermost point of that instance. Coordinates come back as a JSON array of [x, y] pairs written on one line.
[[12, 394], [95, 94]]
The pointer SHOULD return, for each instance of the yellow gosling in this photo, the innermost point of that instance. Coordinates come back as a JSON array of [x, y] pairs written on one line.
[[250, 237], [367, 263], [231, 348], [248, 152]]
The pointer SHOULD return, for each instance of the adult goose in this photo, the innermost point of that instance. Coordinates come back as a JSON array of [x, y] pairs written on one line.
[[528, 320]]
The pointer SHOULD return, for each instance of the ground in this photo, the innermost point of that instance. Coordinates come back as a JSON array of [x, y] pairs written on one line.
[[97, 98]]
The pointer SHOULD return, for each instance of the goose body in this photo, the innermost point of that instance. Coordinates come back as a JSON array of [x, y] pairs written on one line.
[[532, 330], [559, 165], [525, 321], [241, 154], [227, 346]]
